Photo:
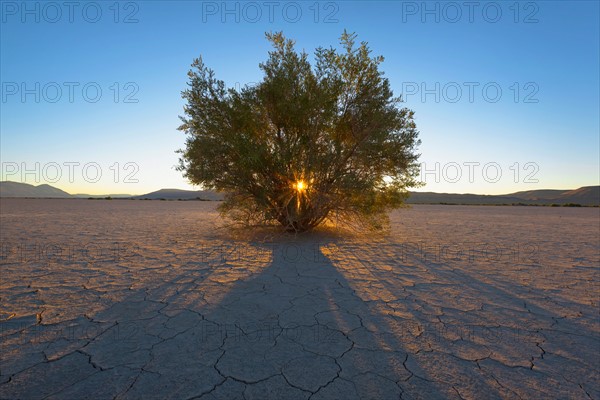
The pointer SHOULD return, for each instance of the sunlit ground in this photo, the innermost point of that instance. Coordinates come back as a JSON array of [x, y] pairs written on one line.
[[153, 299]]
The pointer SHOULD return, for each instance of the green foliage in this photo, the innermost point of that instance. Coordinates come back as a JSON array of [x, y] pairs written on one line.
[[336, 127]]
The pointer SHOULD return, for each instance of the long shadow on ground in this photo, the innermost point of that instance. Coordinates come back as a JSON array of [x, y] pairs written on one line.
[[292, 318]]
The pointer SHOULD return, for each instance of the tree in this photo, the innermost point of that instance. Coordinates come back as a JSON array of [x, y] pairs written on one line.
[[305, 145]]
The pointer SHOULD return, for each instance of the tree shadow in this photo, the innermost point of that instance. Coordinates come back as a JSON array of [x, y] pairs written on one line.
[[312, 316], [281, 319]]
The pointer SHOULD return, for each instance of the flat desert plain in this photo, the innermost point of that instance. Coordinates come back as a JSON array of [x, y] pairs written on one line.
[[156, 300]]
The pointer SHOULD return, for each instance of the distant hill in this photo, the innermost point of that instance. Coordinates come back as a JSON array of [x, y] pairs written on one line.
[[178, 194], [589, 195], [16, 189], [544, 194], [101, 196], [586, 196], [455, 198]]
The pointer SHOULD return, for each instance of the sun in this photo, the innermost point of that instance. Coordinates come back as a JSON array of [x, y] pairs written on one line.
[[300, 185]]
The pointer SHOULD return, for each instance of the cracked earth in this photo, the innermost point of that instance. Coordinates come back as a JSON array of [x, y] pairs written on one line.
[[153, 300]]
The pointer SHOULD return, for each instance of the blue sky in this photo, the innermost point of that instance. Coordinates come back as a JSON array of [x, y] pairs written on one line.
[[506, 94]]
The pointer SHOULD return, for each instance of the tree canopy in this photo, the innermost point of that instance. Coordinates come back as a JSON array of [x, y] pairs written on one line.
[[307, 144]]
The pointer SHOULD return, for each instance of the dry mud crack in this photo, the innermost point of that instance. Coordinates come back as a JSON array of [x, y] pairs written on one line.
[[129, 300]]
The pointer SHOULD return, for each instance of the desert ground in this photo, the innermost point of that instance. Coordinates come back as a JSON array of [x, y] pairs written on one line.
[[131, 299]]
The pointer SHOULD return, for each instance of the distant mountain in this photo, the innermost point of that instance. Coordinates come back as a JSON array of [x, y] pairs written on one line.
[[16, 189], [455, 198], [101, 196], [544, 194], [178, 194], [589, 195], [586, 196]]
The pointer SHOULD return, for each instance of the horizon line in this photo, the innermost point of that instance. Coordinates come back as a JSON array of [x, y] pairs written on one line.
[[198, 190]]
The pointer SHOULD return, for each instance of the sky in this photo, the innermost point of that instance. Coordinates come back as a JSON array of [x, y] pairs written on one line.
[[505, 93]]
